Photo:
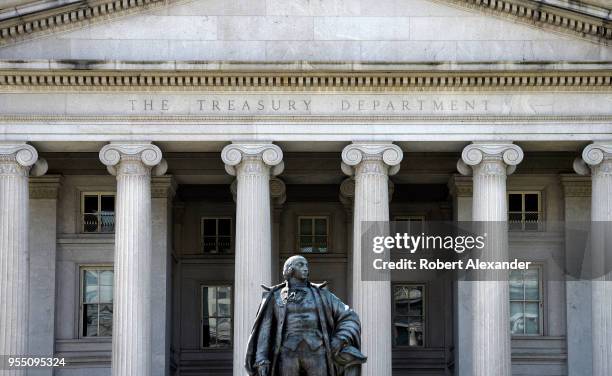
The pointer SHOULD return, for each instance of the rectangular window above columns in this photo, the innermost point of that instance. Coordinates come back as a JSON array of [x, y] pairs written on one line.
[[98, 212], [525, 211], [313, 234]]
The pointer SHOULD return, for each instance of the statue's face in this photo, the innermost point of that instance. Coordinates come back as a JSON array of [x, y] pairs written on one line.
[[300, 269]]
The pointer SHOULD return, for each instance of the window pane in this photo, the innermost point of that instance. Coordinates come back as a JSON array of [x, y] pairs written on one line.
[[516, 285], [408, 331], [206, 337], [517, 323], [90, 223], [515, 203], [90, 320], [532, 282], [402, 300], [320, 244], [106, 320], [107, 221], [306, 244], [106, 294], [400, 326], [416, 301], [209, 244], [107, 203], [212, 330], [225, 227], [224, 331], [532, 221], [224, 304], [225, 244], [106, 277], [209, 294], [515, 217], [532, 318], [320, 226], [531, 202], [305, 226], [90, 204], [210, 227], [90, 287]]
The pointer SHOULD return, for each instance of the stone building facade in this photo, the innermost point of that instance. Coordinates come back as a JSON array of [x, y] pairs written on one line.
[[176, 152]]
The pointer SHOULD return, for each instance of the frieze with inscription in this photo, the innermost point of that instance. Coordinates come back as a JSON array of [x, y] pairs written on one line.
[[323, 104]]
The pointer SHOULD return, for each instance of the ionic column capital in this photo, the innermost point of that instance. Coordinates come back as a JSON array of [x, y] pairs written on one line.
[[143, 158], [596, 159], [490, 158], [19, 158], [382, 152], [266, 152]]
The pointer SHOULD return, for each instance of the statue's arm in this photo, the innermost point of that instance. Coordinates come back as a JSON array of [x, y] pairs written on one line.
[[347, 327], [265, 335]]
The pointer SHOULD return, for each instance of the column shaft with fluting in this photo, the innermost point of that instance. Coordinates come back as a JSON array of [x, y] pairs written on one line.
[[371, 164], [490, 163], [599, 157], [252, 164], [131, 348], [15, 163]]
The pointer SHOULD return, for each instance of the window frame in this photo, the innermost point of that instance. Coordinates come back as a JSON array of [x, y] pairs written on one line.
[[424, 314], [82, 268], [523, 212], [201, 307], [327, 233], [541, 302], [82, 211], [231, 236]]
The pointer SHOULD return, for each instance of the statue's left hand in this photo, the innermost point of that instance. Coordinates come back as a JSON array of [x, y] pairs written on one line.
[[338, 344], [263, 370]]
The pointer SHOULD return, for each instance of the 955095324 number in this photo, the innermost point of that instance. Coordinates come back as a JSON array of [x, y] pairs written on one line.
[[20, 362]]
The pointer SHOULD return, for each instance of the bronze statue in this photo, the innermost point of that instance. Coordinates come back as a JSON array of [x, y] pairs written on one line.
[[302, 328]]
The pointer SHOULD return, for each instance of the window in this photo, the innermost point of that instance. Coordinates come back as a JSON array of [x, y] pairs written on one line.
[[409, 315], [216, 316], [313, 234], [98, 211], [216, 235], [415, 225], [524, 211], [526, 301], [96, 302]]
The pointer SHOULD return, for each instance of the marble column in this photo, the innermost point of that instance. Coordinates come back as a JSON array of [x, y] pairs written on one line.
[[253, 163], [44, 196], [371, 164], [133, 163], [489, 164], [16, 164], [598, 156], [163, 189]]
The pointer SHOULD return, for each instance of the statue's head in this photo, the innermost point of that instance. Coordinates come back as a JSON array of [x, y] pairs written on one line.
[[296, 267]]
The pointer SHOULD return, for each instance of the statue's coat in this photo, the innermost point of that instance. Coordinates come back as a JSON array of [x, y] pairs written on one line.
[[336, 318]]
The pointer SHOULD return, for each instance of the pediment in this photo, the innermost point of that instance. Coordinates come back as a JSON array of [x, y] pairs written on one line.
[[299, 30]]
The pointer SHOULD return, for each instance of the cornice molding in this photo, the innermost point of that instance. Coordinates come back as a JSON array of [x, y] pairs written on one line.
[[71, 16], [122, 80], [546, 16], [68, 17]]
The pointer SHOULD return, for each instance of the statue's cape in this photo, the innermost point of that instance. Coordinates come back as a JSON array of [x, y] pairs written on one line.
[[337, 321]]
